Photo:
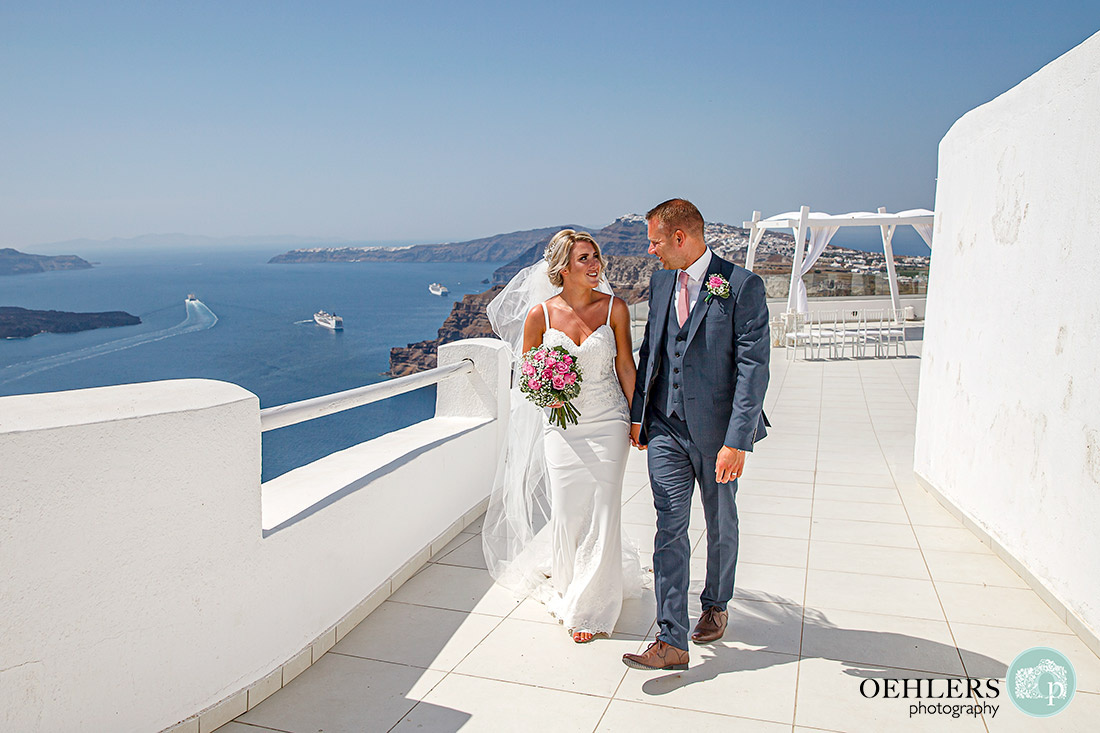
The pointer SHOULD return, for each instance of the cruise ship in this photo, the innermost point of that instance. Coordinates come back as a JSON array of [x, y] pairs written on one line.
[[329, 320], [438, 289]]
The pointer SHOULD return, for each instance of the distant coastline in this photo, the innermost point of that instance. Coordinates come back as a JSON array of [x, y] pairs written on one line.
[[24, 323], [14, 262], [627, 235], [498, 248]]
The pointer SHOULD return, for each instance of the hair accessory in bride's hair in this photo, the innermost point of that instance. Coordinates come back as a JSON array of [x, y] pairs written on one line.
[[564, 238]]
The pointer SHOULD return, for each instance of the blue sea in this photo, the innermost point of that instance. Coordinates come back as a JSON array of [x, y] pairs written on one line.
[[254, 327]]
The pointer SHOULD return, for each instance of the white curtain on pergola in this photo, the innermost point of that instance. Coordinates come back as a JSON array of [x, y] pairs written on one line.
[[819, 239], [821, 228]]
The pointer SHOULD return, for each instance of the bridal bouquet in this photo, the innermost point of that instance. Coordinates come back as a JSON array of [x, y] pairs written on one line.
[[549, 375]]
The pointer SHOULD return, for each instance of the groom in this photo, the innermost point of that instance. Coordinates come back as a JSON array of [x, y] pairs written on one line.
[[698, 400]]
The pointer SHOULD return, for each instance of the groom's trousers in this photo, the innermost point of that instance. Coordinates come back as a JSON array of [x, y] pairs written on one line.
[[675, 464]]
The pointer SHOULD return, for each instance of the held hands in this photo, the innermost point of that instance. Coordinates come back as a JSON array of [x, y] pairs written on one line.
[[730, 464], [636, 435]]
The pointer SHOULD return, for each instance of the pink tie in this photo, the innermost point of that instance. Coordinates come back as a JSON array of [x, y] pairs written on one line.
[[682, 299]]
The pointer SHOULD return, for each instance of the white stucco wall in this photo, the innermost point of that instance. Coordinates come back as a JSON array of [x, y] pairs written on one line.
[[1008, 425], [137, 586]]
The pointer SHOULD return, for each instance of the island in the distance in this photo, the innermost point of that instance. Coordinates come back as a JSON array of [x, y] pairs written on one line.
[[14, 262], [24, 323]]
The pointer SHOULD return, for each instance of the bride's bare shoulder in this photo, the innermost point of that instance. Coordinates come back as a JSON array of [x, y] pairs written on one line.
[[534, 326], [537, 310]]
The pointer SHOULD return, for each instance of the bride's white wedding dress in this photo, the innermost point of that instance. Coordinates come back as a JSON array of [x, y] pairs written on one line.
[[585, 465], [552, 527]]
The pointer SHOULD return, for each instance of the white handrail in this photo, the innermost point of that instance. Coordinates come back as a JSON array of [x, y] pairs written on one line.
[[281, 416]]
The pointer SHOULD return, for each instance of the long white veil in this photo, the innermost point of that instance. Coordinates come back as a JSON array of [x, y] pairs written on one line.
[[519, 505]]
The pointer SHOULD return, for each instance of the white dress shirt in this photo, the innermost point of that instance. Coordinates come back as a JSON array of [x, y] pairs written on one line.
[[696, 271]]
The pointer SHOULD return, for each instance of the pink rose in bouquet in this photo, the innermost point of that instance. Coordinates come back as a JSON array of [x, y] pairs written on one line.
[[551, 377]]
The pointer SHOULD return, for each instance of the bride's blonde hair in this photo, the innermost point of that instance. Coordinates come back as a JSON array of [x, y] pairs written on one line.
[[560, 249]]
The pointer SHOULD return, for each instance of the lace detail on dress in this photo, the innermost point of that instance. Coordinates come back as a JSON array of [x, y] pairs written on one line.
[[600, 389]]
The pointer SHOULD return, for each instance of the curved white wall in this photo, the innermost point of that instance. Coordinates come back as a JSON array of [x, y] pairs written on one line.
[[1008, 425], [136, 584]]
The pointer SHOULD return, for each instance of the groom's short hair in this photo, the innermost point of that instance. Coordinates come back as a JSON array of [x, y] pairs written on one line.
[[678, 214]]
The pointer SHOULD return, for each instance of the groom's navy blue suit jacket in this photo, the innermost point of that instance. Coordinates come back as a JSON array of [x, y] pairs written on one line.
[[726, 362]]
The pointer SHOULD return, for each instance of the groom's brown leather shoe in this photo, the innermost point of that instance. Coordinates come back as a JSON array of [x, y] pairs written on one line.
[[658, 656], [711, 626]]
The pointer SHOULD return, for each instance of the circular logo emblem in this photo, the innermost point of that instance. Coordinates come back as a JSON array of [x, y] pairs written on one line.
[[1041, 682]]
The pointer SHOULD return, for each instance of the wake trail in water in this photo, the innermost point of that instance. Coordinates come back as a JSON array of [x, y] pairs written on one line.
[[199, 318]]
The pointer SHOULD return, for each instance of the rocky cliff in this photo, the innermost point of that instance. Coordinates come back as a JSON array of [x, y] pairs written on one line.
[[467, 320], [624, 236], [14, 262], [23, 323], [629, 276]]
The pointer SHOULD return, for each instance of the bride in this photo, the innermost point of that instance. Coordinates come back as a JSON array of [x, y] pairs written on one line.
[[552, 530]]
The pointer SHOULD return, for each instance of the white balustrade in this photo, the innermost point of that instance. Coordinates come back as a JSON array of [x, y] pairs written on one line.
[[272, 418]]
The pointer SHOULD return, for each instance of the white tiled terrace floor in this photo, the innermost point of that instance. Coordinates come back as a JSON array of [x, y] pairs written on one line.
[[847, 570]]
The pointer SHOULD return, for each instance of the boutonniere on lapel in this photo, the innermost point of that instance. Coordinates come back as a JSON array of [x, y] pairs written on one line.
[[717, 287]]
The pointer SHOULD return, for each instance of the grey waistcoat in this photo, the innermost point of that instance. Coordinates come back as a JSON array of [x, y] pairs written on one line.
[[669, 396]]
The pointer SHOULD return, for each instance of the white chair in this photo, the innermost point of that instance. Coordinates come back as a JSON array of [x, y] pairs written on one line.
[[893, 333], [798, 333], [847, 333], [823, 331], [869, 332]]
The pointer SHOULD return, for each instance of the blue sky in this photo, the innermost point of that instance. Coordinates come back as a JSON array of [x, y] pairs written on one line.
[[420, 121]]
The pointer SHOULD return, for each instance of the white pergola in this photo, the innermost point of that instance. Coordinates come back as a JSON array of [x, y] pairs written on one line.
[[821, 228]]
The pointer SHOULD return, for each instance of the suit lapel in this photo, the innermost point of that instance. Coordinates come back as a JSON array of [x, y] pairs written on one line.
[[699, 312], [662, 298], [658, 319]]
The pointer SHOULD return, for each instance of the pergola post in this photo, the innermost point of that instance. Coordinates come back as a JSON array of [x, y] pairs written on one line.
[[755, 235], [799, 247], [888, 251]]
